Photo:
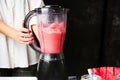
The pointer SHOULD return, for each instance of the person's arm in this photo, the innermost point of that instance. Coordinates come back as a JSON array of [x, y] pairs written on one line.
[[22, 36], [6, 30], [35, 30]]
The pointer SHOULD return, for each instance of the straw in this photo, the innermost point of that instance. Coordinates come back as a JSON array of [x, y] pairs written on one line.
[[91, 74]]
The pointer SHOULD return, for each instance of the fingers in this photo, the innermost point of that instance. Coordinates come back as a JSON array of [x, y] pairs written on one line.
[[25, 30], [27, 40], [26, 36], [25, 33]]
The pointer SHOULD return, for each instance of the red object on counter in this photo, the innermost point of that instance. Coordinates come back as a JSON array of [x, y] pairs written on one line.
[[107, 73]]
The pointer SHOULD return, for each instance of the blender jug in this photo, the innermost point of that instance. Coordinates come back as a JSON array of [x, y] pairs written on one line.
[[51, 30]]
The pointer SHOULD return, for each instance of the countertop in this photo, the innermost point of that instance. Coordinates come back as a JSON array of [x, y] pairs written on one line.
[[32, 78], [18, 78]]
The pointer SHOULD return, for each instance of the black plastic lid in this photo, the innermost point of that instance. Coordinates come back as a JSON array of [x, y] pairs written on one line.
[[52, 6], [51, 9]]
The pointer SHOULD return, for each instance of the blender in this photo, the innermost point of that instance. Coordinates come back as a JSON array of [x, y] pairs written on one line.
[[50, 35]]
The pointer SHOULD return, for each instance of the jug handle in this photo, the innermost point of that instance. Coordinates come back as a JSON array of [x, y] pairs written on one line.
[[26, 25]]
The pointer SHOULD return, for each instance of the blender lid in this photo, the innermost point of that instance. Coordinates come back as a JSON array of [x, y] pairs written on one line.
[[48, 9], [52, 6], [53, 9]]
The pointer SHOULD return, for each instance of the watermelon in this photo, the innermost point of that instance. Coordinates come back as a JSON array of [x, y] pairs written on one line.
[[106, 73]]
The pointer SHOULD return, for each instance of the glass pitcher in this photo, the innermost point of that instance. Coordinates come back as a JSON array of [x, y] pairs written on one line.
[[51, 30]]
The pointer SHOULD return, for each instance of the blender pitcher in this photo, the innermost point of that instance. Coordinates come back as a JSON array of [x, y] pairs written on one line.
[[51, 30]]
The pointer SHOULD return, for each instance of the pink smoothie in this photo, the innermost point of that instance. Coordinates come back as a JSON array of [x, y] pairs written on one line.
[[52, 38]]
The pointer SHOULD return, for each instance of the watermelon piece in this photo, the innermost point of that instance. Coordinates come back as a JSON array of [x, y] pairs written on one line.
[[117, 73], [94, 72], [106, 73]]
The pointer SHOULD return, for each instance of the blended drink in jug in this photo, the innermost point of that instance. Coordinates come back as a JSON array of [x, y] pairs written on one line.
[[52, 37]]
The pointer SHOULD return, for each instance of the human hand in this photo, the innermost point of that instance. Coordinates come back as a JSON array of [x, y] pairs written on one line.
[[23, 36]]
